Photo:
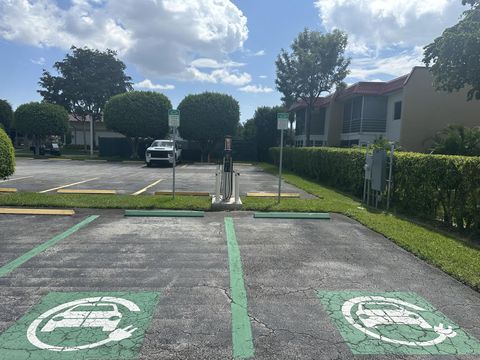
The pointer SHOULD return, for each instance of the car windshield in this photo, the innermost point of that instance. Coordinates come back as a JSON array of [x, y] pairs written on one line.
[[163, 143]]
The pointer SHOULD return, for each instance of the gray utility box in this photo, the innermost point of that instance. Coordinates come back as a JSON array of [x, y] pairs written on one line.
[[379, 170]]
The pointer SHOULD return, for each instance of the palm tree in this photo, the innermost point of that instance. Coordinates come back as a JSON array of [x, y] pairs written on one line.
[[457, 140]]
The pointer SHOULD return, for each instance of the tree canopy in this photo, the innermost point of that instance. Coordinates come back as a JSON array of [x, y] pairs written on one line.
[[39, 120], [86, 80], [315, 65], [454, 57], [208, 118], [6, 115], [138, 114], [266, 133]]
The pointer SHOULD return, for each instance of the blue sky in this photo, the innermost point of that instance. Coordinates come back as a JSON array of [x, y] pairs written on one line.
[[180, 47]]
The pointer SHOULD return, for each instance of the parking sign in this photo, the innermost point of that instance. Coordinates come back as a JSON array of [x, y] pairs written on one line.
[[174, 118], [282, 121]]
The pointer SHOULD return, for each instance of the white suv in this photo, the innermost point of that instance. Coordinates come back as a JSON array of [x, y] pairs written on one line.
[[162, 151]]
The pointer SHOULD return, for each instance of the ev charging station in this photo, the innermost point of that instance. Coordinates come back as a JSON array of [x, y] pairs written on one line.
[[227, 187]]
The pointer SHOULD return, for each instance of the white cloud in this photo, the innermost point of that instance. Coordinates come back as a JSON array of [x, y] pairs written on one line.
[[161, 37], [260, 53], [263, 76], [39, 61], [256, 89], [214, 64], [369, 68], [376, 24], [386, 37], [224, 76], [147, 84]]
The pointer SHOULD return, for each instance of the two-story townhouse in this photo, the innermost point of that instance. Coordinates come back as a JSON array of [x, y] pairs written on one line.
[[407, 110]]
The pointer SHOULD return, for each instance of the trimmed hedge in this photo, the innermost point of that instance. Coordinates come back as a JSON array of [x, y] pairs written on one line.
[[339, 168], [435, 187], [7, 156]]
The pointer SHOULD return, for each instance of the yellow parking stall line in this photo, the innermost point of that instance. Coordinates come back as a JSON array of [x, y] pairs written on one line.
[[87, 192], [8, 190], [16, 211], [61, 159], [271, 194], [147, 187], [68, 185], [186, 193], [183, 166], [20, 178]]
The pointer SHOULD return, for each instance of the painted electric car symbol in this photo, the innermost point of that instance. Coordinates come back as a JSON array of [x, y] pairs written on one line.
[[373, 314], [103, 315], [84, 314]]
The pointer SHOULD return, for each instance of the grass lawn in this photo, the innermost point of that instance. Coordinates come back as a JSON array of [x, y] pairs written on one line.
[[456, 257], [105, 201]]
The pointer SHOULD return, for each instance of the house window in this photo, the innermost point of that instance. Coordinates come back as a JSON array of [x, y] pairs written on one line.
[[397, 114]]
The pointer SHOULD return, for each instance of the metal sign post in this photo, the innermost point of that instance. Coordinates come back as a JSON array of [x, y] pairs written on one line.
[[282, 124], [174, 122]]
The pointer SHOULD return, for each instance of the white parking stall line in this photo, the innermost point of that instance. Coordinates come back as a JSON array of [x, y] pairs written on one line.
[[147, 187], [183, 166], [65, 186], [20, 178]]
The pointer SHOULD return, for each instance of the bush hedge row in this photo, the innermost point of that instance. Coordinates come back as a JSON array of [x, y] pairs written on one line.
[[7, 155], [436, 187]]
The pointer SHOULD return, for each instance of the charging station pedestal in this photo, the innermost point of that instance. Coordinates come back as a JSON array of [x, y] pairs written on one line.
[[227, 186]]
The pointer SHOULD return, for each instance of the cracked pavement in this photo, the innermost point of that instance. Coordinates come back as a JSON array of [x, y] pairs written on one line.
[[285, 263]]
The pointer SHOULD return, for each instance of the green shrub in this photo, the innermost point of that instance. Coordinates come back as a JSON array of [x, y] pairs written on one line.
[[7, 156], [435, 187], [339, 168]]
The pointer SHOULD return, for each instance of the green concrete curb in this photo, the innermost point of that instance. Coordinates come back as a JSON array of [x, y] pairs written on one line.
[[164, 213], [290, 215]]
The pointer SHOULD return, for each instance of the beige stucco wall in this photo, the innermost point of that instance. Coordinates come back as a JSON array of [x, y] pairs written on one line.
[[426, 111], [394, 126], [334, 121]]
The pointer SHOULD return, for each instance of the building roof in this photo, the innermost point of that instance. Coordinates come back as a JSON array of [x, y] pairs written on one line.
[[360, 88]]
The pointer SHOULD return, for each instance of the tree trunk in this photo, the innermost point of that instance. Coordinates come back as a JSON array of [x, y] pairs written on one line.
[[37, 145], [308, 118], [134, 142], [204, 151], [93, 133], [84, 135]]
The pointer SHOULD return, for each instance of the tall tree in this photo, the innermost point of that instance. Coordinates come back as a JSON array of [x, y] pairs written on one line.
[[208, 118], [138, 114], [266, 133], [40, 120], [315, 65], [454, 57], [86, 80], [6, 115]]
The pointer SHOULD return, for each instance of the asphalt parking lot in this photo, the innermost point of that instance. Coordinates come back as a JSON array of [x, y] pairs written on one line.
[[49, 176], [99, 285]]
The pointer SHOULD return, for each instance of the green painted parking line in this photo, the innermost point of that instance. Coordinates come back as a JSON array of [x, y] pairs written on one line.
[[164, 213], [395, 323], [241, 329], [290, 215], [37, 250], [81, 326]]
